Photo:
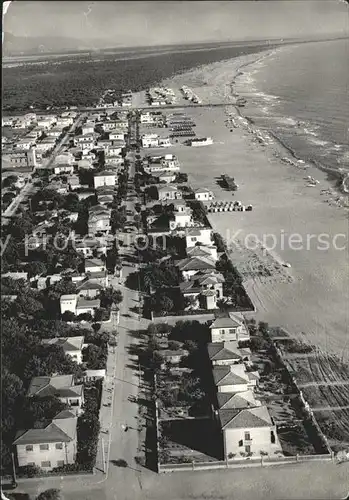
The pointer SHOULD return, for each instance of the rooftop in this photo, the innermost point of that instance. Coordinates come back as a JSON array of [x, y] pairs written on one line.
[[49, 386], [61, 429], [237, 400], [245, 418], [230, 375], [67, 343], [231, 321]]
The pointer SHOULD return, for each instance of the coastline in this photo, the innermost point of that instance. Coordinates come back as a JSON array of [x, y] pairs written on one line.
[[302, 299]]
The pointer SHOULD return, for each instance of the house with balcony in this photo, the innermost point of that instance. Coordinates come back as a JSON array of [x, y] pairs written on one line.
[[63, 168], [50, 444], [231, 327], [61, 386], [248, 432], [72, 346]]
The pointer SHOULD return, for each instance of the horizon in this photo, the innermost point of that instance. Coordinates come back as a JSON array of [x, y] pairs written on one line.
[[148, 23]]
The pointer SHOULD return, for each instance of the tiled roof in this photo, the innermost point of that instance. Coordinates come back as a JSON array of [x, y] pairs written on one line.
[[46, 386], [226, 322], [67, 343], [94, 263], [50, 434], [230, 375], [246, 418], [236, 400], [90, 285], [83, 303], [61, 429], [195, 263], [218, 351]]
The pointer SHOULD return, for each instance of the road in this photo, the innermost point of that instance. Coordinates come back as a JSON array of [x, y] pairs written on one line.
[[29, 189]]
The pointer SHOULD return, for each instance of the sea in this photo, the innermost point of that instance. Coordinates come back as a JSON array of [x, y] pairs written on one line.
[[300, 94]]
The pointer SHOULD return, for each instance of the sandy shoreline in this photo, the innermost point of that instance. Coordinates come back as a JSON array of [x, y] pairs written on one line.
[[310, 300]]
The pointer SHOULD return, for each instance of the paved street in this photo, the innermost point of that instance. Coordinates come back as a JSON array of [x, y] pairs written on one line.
[[29, 189]]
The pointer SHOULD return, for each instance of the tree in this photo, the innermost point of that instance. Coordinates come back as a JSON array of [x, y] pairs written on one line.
[[95, 357], [36, 268], [11, 179], [51, 494], [111, 296]]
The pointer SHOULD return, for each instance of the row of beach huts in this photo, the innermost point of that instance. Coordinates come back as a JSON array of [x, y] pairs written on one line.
[[227, 206]]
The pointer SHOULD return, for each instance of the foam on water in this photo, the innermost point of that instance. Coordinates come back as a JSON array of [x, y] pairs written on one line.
[[300, 94]]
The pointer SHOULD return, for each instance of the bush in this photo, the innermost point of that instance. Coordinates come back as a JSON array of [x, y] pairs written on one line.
[[29, 471]]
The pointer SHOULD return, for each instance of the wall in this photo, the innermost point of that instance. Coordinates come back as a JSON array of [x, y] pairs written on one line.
[[37, 456], [260, 441]]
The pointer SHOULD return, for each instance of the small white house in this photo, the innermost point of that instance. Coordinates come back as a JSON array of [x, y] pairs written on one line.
[[150, 140], [198, 235], [203, 194]]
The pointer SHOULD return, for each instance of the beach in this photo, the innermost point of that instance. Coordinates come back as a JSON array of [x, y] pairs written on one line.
[[293, 220]]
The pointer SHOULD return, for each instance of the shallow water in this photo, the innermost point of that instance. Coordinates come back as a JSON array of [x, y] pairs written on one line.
[[301, 94]]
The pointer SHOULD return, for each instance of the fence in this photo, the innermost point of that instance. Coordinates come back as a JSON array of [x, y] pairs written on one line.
[[237, 463], [51, 474]]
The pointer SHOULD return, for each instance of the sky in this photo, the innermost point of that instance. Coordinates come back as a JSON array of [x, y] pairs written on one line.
[[134, 23]]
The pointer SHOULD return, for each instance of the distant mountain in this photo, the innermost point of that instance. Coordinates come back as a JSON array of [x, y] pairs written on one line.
[[19, 45]]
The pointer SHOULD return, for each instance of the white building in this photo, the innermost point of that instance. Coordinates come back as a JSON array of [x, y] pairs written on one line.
[[229, 328], [203, 194], [105, 178], [198, 235], [150, 140], [68, 303], [63, 168], [117, 135]]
